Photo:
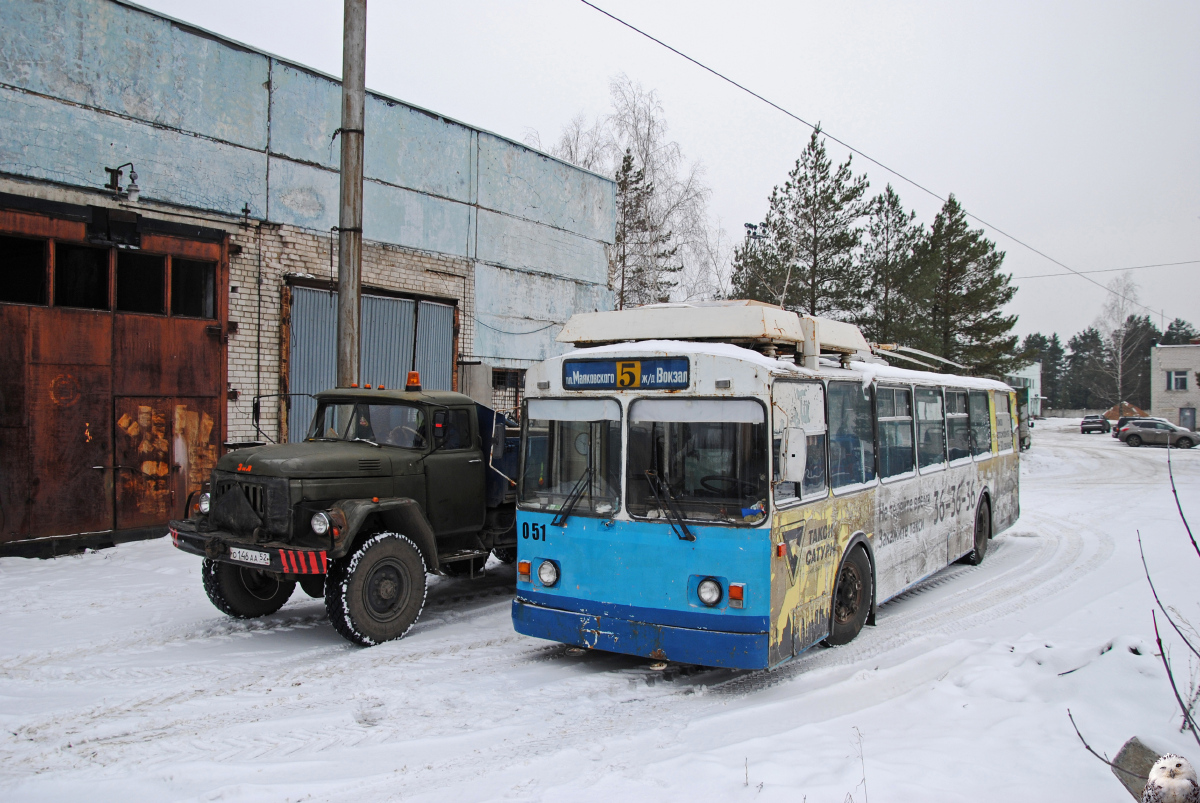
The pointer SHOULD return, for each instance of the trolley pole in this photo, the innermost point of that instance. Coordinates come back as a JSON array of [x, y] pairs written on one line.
[[350, 216]]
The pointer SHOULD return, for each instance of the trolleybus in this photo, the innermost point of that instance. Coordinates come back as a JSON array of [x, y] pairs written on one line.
[[730, 484]]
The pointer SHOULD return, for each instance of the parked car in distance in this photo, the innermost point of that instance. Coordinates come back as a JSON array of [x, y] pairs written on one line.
[[1125, 419], [1140, 430], [1094, 423]]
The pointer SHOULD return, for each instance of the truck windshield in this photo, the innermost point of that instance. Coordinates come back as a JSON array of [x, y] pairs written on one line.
[[400, 425], [569, 442], [710, 455]]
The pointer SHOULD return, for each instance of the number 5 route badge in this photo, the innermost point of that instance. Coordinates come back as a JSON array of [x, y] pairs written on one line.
[[629, 374]]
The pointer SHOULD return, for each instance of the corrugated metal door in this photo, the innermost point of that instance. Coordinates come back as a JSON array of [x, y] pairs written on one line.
[[435, 345], [387, 340], [397, 334]]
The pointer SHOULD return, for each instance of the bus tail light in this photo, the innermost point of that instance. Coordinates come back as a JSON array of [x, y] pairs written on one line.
[[737, 594], [523, 567]]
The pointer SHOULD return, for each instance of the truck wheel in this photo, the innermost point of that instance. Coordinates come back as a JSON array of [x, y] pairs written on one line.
[[244, 592], [465, 568], [983, 532], [313, 585], [851, 598], [376, 593], [505, 554]]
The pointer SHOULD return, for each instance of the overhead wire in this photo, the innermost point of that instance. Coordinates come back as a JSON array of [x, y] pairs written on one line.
[[1115, 270], [855, 150]]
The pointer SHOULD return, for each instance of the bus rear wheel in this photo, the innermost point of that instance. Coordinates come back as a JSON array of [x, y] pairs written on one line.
[[851, 598], [983, 533]]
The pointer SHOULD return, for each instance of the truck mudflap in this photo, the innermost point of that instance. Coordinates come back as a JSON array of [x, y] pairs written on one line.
[[270, 559]]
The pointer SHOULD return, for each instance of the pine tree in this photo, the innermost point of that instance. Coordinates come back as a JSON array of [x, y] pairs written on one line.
[[894, 285], [644, 260], [964, 322], [1085, 385], [806, 263], [1179, 333]]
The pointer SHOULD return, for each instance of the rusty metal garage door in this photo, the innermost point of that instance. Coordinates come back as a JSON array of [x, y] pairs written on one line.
[[398, 335]]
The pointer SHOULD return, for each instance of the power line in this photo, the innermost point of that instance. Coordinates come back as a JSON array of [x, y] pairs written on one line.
[[855, 150], [505, 332], [1113, 270]]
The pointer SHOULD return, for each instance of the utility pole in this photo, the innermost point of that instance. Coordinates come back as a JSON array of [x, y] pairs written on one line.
[[350, 216]]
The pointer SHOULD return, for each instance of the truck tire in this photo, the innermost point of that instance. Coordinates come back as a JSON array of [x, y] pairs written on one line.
[[505, 554], [376, 593], [851, 598], [244, 592]]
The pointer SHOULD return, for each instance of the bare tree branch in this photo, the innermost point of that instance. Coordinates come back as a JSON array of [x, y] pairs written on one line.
[[1162, 653], [1179, 507], [1088, 747], [1161, 607]]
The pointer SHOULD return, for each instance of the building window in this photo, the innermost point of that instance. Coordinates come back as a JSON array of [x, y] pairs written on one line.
[[80, 277], [1177, 380], [22, 270], [141, 283], [507, 384], [193, 288]]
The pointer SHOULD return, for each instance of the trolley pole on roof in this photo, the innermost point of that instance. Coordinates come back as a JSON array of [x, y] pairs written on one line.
[[350, 216]]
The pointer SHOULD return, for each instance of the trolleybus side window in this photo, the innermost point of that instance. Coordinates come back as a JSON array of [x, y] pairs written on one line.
[[931, 435], [894, 410], [704, 459], [981, 423], [958, 433], [572, 451], [851, 435], [799, 415], [1004, 436]]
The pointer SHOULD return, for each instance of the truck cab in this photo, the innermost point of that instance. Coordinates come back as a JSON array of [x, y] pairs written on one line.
[[385, 487]]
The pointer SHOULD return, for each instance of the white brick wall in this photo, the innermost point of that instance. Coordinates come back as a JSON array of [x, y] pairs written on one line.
[[254, 355], [1167, 403]]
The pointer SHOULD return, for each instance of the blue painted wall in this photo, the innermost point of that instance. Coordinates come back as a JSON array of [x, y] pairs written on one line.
[[213, 125]]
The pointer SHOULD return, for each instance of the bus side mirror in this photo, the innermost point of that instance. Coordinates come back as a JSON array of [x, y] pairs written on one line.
[[793, 455]]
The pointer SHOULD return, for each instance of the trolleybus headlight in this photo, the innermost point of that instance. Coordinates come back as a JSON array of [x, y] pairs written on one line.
[[548, 573], [204, 503], [320, 523], [709, 591]]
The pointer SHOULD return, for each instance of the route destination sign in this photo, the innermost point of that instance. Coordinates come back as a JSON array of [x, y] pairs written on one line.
[[658, 373]]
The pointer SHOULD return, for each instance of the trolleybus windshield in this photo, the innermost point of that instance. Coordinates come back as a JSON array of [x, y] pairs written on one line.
[[572, 452], [710, 456]]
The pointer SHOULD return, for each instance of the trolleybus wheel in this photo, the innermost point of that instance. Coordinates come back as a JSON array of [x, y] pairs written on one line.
[[376, 593], [983, 532], [851, 598], [243, 591]]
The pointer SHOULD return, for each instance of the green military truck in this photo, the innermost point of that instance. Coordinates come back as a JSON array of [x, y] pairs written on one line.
[[386, 486]]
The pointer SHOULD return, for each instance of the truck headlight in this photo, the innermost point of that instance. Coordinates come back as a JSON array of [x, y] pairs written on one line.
[[320, 523], [709, 591], [548, 573], [204, 503]]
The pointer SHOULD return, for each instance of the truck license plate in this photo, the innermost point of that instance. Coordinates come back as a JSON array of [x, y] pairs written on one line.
[[250, 556]]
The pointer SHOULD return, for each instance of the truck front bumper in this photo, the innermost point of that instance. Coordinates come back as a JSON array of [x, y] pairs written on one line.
[[228, 548]]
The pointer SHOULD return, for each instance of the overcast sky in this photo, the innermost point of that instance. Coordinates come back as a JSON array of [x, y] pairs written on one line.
[[1074, 126]]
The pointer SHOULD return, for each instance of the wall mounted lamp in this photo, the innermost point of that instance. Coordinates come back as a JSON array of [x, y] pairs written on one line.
[[129, 192]]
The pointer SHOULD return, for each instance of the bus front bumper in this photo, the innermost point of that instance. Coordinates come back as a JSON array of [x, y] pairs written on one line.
[[662, 642]]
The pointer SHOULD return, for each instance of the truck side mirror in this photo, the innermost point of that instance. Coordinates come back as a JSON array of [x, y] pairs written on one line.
[[440, 418]]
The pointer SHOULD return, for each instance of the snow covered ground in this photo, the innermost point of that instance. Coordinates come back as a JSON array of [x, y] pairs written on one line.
[[120, 682]]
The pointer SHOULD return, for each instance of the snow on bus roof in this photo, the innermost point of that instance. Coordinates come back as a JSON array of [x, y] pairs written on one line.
[[864, 371]]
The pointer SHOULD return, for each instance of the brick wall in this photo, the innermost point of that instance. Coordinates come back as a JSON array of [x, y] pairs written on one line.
[[288, 251]]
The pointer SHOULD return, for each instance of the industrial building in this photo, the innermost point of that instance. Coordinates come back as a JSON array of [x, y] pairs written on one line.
[[168, 200], [1175, 383]]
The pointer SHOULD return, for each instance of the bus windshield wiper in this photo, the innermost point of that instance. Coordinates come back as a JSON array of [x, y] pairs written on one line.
[[674, 514], [573, 498]]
